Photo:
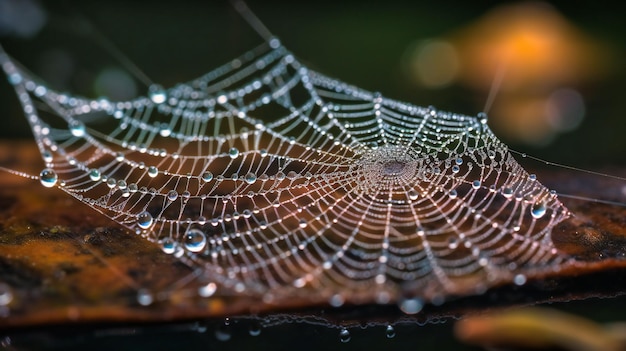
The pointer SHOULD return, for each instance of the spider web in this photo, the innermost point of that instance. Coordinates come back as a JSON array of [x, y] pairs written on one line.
[[273, 179]]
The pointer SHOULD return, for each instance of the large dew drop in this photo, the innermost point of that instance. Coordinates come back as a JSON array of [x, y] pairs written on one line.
[[538, 210], [94, 175], [144, 220], [48, 178], [77, 128], [233, 152], [168, 245], [250, 178], [195, 240], [157, 94], [411, 306], [390, 332], [344, 335]]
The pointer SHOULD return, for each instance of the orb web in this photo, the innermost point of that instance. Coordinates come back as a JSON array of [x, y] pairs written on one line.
[[273, 179]]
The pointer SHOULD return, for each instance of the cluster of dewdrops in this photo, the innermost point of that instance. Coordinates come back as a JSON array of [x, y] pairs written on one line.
[[388, 141]]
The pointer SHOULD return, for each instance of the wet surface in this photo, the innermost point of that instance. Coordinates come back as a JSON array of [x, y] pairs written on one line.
[[68, 265]]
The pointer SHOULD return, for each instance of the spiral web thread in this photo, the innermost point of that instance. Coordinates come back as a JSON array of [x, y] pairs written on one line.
[[273, 180]]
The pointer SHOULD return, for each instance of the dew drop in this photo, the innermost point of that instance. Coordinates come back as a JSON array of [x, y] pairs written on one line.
[[413, 194], [344, 335], [223, 332], [153, 172], [507, 192], [476, 184], [144, 220], [77, 128], [207, 176], [538, 210], [250, 178], [255, 329], [303, 223], [519, 279], [48, 178], [94, 174], [390, 332], [453, 194], [157, 94], [195, 240], [233, 152], [207, 290], [111, 183], [144, 297], [168, 245], [453, 243], [47, 156], [6, 294], [482, 117], [411, 305], [263, 152], [172, 195]]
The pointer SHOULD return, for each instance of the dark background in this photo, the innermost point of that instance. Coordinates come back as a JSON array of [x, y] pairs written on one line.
[[361, 42]]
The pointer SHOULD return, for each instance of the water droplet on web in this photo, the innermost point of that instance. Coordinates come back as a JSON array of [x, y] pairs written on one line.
[[144, 220], [94, 174], [158, 95], [144, 297], [413, 194], [207, 176], [47, 156], [6, 294], [453, 243], [255, 328], [207, 290], [111, 182], [507, 192], [15, 78], [303, 223], [77, 128], [48, 178], [223, 332], [482, 117], [250, 178], [344, 335], [153, 171], [233, 152], [538, 210], [172, 195], [168, 245], [390, 332], [195, 240], [519, 279], [411, 305], [476, 184], [453, 194]]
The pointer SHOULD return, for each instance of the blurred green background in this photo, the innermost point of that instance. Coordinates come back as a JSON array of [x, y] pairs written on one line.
[[365, 43]]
